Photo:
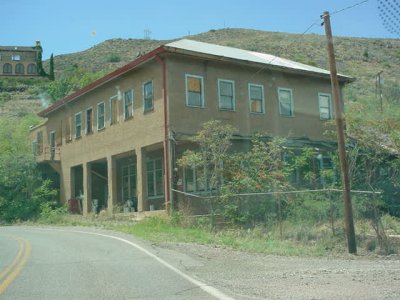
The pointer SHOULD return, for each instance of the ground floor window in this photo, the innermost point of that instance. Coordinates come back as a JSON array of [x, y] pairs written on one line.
[[194, 179], [155, 180], [129, 182]]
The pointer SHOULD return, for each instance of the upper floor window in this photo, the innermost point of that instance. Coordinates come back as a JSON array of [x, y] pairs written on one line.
[[285, 97], [89, 121], [100, 116], [78, 125], [7, 69], [128, 104], [325, 106], [194, 91], [256, 98], [32, 69], [68, 135], [148, 96], [19, 69], [113, 110], [226, 93], [16, 57]]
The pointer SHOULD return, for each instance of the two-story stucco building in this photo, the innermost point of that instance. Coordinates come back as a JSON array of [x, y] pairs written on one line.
[[20, 60], [117, 139]]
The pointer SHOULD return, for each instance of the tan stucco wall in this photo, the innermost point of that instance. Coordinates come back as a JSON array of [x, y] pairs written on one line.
[[305, 122], [144, 129]]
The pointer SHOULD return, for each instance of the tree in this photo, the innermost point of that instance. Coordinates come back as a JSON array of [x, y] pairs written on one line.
[[51, 73], [21, 186], [72, 80], [213, 141]]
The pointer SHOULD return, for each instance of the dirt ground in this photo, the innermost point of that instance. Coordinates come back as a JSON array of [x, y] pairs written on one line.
[[259, 276]]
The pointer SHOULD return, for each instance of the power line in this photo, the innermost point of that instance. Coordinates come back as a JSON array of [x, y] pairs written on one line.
[[318, 21], [349, 7]]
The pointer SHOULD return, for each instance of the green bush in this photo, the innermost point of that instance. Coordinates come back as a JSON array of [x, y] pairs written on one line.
[[51, 214], [113, 58]]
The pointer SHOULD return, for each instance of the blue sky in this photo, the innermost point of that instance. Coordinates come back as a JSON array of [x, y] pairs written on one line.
[[66, 26]]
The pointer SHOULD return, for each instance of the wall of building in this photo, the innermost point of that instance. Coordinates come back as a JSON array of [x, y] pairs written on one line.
[[306, 121], [124, 137], [26, 58]]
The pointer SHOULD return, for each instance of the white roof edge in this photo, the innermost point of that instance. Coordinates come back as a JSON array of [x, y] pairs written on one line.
[[245, 55]]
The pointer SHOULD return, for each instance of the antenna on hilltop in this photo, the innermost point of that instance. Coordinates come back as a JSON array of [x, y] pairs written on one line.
[[147, 33]]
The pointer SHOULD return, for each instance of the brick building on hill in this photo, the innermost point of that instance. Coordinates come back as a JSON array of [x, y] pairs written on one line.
[[20, 60]]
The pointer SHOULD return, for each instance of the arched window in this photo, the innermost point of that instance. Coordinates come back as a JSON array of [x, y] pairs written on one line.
[[32, 69], [7, 69], [19, 69]]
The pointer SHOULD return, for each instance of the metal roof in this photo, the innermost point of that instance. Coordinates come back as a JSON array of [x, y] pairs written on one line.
[[248, 56]]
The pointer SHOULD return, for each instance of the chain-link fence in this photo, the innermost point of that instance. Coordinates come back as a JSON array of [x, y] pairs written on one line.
[[281, 210]]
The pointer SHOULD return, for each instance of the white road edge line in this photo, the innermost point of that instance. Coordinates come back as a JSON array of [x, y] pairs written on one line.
[[207, 288]]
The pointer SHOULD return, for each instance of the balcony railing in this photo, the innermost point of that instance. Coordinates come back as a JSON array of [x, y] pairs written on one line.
[[46, 153]]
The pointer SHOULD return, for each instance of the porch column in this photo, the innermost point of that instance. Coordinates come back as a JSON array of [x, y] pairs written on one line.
[[141, 179], [70, 184], [112, 183], [66, 185], [87, 188]]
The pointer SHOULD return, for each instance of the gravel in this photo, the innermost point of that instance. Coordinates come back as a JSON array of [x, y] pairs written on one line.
[[259, 276]]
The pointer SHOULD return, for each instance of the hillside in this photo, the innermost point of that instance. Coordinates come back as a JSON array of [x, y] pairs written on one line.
[[362, 58]]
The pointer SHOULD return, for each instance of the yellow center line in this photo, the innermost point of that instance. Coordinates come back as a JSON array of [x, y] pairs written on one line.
[[12, 271]]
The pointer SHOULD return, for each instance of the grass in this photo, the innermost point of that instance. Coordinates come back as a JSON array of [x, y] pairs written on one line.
[[168, 230], [293, 238]]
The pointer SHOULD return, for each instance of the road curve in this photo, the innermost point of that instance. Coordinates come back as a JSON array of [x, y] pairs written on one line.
[[54, 263]]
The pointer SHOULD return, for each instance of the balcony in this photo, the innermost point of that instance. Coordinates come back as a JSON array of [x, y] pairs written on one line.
[[46, 154]]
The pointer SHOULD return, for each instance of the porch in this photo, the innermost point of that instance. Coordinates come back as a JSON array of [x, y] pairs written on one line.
[[124, 183]]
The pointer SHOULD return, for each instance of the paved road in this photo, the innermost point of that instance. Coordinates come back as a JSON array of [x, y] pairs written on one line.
[[51, 263]]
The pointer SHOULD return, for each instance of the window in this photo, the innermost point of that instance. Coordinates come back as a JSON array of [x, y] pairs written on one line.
[[113, 110], [89, 121], [285, 97], [39, 141], [78, 125], [100, 116], [32, 69], [226, 92], [194, 179], [128, 104], [19, 69], [16, 57], [325, 106], [256, 98], [148, 96], [7, 68], [52, 144], [68, 135], [155, 184], [194, 91], [129, 182]]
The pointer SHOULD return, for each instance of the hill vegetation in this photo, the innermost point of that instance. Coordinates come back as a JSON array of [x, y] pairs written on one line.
[[362, 58]]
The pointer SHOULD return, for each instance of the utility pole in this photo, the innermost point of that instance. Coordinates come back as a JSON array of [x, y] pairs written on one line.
[[348, 211]]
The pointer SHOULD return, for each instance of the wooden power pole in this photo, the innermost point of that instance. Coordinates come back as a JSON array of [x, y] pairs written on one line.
[[348, 211]]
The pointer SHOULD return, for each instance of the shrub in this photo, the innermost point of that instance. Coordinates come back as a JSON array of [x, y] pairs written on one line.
[[113, 58]]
